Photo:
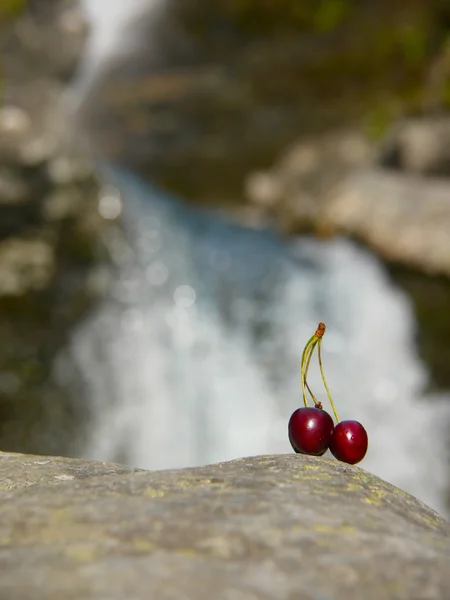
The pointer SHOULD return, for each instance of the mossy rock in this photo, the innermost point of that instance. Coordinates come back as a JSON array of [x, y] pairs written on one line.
[[266, 527]]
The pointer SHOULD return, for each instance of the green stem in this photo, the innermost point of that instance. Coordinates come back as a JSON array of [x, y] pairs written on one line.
[[325, 383], [313, 346], [306, 356]]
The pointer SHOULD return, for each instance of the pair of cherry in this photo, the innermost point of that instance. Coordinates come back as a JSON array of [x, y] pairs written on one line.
[[312, 431]]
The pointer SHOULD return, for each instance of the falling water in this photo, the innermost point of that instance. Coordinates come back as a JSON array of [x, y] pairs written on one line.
[[195, 356], [108, 19]]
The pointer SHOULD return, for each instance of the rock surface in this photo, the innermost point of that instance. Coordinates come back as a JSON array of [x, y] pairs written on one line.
[[394, 196], [420, 146], [269, 527], [404, 218], [292, 196]]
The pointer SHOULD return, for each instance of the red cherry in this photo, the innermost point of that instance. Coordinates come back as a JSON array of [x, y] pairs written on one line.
[[298, 451], [349, 442], [310, 431]]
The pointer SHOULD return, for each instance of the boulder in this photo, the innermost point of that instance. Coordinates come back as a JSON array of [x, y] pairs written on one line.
[[393, 196], [269, 527], [420, 146], [405, 218], [293, 194]]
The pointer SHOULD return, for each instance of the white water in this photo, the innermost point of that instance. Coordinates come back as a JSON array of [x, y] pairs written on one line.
[[109, 37], [195, 358]]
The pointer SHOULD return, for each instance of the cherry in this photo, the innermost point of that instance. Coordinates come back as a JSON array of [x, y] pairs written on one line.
[[310, 431], [349, 442]]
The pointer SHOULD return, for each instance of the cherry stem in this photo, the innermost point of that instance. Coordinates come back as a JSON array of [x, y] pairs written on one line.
[[325, 382], [312, 348], [306, 358]]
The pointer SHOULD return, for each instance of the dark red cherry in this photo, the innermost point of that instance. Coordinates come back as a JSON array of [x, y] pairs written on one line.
[[310, 431], [349, 442], [298, 451], [292, 443]]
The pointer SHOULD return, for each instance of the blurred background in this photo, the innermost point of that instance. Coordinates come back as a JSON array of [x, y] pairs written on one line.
[[186, 189]]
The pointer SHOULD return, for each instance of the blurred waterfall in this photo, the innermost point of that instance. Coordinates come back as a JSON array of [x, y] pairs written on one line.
[[195, 357]]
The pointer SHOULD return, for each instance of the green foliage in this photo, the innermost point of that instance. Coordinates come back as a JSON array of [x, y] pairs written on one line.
[[329, 14], [11, 8], [267, 15]]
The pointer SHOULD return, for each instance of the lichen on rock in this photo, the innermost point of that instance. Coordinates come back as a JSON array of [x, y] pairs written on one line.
[[263, 527]]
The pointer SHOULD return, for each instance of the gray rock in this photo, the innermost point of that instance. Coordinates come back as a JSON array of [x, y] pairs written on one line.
[[405, 218], [293, 193], [50, 36], [420, 146], [281, 527], [340, 183], [25, 265]]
